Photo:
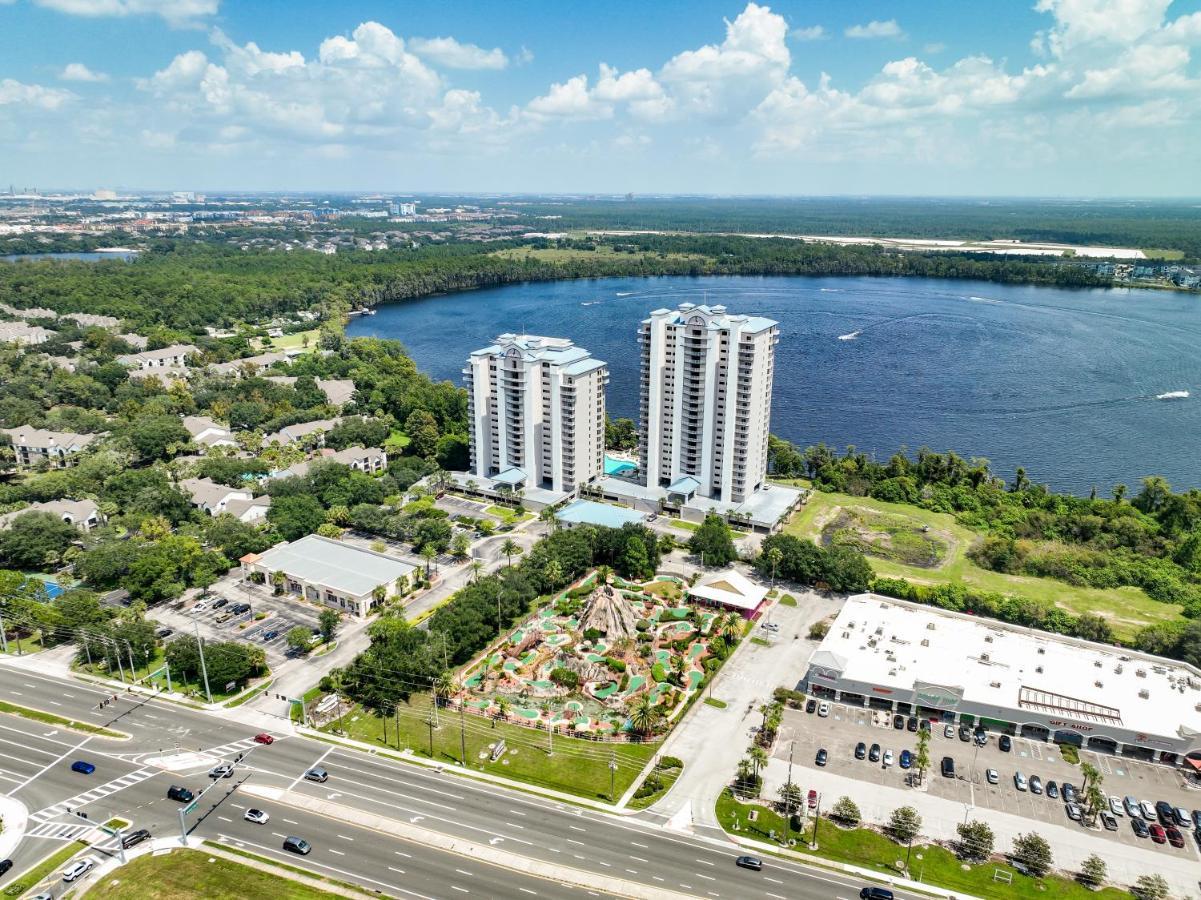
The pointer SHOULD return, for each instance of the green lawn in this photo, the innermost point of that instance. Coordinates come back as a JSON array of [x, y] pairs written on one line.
[[188, 874], [294, 341], [1162, 253], [576, 766], [31, 877], [1127, 608], [682, 525], [871, 850], [667, 777], [51, 719], [510, 516]]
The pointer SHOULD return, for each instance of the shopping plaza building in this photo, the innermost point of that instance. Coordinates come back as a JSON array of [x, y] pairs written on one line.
[[903, 657]]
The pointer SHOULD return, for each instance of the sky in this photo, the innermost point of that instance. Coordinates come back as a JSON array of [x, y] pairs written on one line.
[[798, 97]]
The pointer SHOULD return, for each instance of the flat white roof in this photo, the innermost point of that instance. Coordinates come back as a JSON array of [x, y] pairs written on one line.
[[589, 512], [343, 568], [880, 641]]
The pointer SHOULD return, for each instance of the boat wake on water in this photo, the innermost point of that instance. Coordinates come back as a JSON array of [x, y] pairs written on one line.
[[1173, 395], [849, 337]]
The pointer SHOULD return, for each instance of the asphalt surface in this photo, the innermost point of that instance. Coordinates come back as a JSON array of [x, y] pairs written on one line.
[[35, 765]]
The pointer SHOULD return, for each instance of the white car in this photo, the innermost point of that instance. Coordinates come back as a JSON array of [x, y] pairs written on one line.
[[77, 869], [201, 606], [1019, 781], [257, 816], [225, 770], [887, 758], [823, 709], [992, 776], [1115, 806]]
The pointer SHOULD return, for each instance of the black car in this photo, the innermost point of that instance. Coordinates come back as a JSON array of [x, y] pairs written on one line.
[[5, 865], [297, 845], [874, 754], [219, 602], [1052, 790], [822, 756], [1167, 815], [1005, 743], [1197, 819], [1070, 793], [1139, 827], [134, 838], [240, 608], [164, 632], [965, 733], [948, 767], [180, 794], [875, 893], [911, 724], [749, 862], [860, 750], [811, 705], [898, 722]]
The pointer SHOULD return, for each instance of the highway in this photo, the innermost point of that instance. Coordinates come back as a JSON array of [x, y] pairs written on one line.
[[35, 764]]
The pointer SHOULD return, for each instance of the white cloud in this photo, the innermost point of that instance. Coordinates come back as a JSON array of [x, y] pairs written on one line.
[[80, 72], [570, 99], [812, 33], [875, 29], [934, 48], [447, 52], [1079, 22], [174, 11], [32, 95], [1143, 70]]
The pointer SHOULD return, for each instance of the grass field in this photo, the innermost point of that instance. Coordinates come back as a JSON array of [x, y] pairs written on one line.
[[576, 766], [196, 875], [871, 850], [291, 341], [1127, 608], [1162, 253], [51, 719]]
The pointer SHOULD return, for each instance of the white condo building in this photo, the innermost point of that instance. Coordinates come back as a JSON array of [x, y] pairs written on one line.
[[537, 411], [706, 385]]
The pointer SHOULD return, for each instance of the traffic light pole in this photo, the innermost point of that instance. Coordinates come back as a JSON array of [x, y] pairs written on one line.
[[203, 668]]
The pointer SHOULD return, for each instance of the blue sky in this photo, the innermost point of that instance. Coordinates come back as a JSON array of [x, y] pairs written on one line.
[[1047, 97]]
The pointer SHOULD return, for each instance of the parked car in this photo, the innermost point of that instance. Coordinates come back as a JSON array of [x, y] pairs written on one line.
[[965, 733], [220, 602], [297, 845], [257, 816], [1005, 743], [1115, 806], [1052, 790], [1165, 813], [980, 736], [861, 750], [823, 709], [948, 731], [1157, 833], [1197, 819], [887, 758], [1069, 792], [269, 636], [810, 705], [1175, 838], [1148, 811], [82, 767], [873, 755], [315, 774], [811, 799], [821, 757], [906, 759], [224, 617], [1139, 827], [1183, 819], [898, 722], [77, 869], [948, 767], [263, 738], [1132, 808], [911, 724], [992, 776], [164, 632], [1019, 781], [1036, 784], [134, 838], [749, 862], [1073, 812], [1107, 819], [200, 606]]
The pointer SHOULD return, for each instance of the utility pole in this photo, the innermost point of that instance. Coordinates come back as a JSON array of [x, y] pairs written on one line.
[[120, 668], [203, 668], [817, 818], [430, 723], [132, 668], [463, 730], [612, 775], [4, 636], [788, 786], [550, 739]]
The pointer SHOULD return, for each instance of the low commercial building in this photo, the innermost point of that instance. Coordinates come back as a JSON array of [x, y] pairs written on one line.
[[175, 356], [83, 514], [912, 659], [589, 512], [332, 572], [730, 590], [32, 446]]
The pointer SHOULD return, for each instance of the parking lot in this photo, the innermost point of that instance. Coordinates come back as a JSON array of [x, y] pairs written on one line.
[[846, 726]]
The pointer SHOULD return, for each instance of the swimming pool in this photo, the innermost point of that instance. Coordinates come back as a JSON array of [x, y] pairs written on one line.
[[619, 466]]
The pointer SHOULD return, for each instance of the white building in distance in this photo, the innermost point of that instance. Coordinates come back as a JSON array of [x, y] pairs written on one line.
[[537, 412], [706, 400]]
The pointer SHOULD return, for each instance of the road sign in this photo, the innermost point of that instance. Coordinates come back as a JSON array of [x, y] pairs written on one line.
[[191, 807]]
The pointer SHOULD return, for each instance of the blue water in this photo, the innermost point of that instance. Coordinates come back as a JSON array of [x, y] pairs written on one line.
[[615, 466], [85, 256], [1060, 381]]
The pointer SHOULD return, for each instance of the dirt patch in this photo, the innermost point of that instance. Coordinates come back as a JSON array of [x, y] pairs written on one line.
[[896, 538]]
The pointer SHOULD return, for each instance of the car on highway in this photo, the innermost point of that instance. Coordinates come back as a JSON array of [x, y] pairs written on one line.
[[263, 738], [77, 869], [1132, 808], [134, 838], [948, 731], [992, 776], [887, 758], [83, 767], [1005, 743], [875, 893], [1175, 838], [1115, 806], [316, 774], [1108, 820], [821, 757], [1036, 784], [873, 755], [1052, 790], [1157, 833], [1139, 827], [749, 862], [861, 750], [225, 770], [257, 816], [823, 709], [1019, 781], [906, 759], [810, 705], [297, 845], [1073, 811], [5, 865], [180, 794], [1148, 811]]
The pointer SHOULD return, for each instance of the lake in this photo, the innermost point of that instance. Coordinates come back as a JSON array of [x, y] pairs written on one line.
[[1063, 382], [85, 256]]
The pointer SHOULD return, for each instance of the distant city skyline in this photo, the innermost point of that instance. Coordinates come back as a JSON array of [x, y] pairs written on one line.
[[1044, 98]]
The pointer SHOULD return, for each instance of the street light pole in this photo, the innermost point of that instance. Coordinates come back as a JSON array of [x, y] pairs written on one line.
[[612, 774], [203, 668]]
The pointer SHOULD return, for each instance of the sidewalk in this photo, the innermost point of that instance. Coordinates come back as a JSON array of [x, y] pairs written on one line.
[[1070, 845]]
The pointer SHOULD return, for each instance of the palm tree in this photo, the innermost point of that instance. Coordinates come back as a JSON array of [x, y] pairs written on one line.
[[476, 568], [644, 714], [277, 579], [773, 557], [510, 549], [731, 627], [680, 665], [429, 553], [445, 685], [1119, 491], [553, 573], [502, 710], [758, 758], [548, 518]]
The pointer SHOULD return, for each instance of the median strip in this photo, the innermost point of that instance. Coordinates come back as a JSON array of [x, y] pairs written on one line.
[[46, 718]]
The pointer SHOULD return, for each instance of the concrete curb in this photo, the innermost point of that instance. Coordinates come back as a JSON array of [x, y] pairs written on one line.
[[483, 852], [15, 816]]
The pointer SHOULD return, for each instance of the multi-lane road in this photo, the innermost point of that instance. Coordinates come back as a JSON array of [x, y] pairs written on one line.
[[585, 848]]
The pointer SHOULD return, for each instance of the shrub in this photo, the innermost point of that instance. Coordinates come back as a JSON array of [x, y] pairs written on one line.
[[1033, 852], [795, 699], [819, 630], [578, 592], [565, 677], [904, 824], [642, 625], [652, 784], [592, 635], [670, 762], [975, 839], [846, 811], [658, 672], [617, 665]]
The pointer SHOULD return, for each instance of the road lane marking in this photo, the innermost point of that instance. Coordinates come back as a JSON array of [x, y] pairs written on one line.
[[517, 813], [577, 843], [394, 869], [774, 896], [290, 822], [706, 877], [639, 859], [55, 703], [512, 825], [339, 852], [402, 853], [773, 880], [643, 846], [457, 888], [576, 828], [344, 837], [528, 891], [320, 759], [223, 819], [277, 834], [705, 862], [461, 872], [53, 762]]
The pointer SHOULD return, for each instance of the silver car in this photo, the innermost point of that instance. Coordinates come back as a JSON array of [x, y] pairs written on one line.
[[1132, 808], [992, 776], [1115, 806], [1149, 813]]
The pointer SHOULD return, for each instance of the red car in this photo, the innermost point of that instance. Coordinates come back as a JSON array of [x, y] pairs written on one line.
[[1174, 837], [812, 799], [264, 738], [1157, 833]]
